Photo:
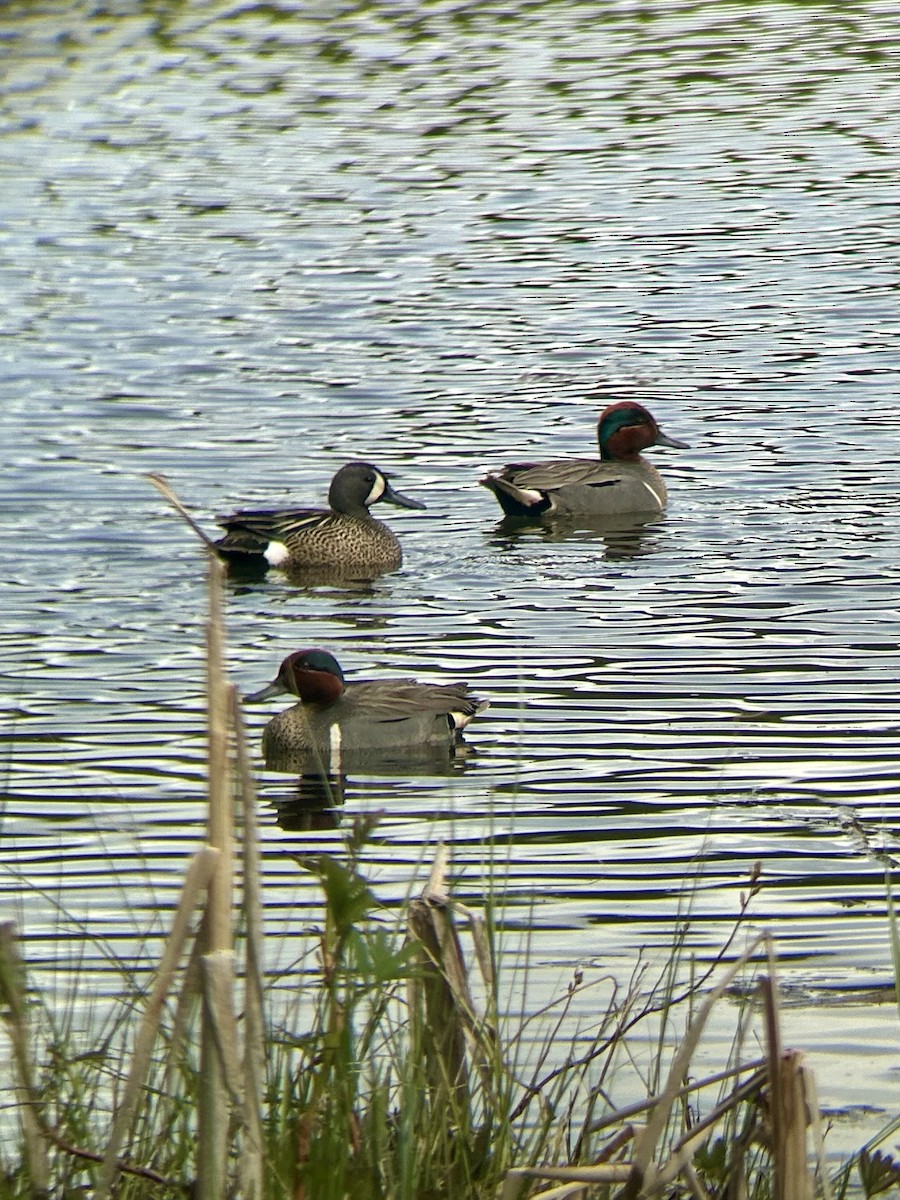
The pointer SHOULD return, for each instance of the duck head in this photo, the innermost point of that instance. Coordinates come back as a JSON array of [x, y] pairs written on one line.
[[358, 485], [627, 428], [314, 676]]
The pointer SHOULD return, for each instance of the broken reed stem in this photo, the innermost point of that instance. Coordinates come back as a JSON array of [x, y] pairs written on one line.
[[792, 1179], [444, 1000]]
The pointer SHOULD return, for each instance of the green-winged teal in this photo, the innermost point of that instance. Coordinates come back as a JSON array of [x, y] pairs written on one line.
[[376, 715], [344, 536], [621, 481]]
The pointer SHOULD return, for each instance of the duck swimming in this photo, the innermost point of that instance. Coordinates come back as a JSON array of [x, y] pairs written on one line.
[[619, 482], [343, 536], [382, 714]]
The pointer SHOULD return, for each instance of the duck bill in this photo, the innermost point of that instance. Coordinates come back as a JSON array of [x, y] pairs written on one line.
[[275, 688], [663, 439], [394, 497]]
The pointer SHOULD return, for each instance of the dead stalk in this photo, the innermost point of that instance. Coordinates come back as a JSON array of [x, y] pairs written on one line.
[[217, 1070], [12, 993], [254, 1059]]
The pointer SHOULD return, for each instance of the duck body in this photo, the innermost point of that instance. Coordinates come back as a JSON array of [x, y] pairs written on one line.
[[621, 481], [343, 536], [335, 717]]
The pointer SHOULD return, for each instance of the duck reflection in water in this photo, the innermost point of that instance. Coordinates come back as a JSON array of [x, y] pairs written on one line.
[[316, 799], [623, 537], [315, 802]]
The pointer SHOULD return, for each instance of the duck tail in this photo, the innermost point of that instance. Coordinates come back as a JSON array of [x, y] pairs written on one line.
[[515, 501]]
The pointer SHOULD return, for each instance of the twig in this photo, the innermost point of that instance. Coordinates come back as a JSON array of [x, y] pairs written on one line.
[[124, 1167], [595, 1052]]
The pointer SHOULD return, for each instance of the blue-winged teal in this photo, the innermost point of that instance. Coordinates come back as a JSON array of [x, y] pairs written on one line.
[[375, 715], [344, 536], [621, 481]]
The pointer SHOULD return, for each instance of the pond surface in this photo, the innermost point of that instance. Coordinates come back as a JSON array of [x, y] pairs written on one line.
[[243, 244]]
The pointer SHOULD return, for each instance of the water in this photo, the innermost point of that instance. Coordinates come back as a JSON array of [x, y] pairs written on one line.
[[244, 244]]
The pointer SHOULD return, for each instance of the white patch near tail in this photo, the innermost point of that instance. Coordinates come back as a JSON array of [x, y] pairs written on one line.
[[378, 488], [528, 495], [276, 553], [334, 742], [656, 496], [521, 495], [461, 720]]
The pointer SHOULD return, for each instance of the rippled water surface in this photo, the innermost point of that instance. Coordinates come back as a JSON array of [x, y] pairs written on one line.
[[244, 244]]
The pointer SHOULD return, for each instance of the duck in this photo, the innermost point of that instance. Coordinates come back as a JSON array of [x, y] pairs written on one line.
[[335, 717], [343, 536], [620, 482]]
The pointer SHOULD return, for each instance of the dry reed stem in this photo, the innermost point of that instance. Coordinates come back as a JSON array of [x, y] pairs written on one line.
[[563, 1192], [658, 1179], [750, 1088], [254, 1059], [436, 891], [221, 801], [28, 1101], [627, 1134], [199, 873], [601, 1174], [218, 996], [163, 486], [217, 1013], [188, 994]]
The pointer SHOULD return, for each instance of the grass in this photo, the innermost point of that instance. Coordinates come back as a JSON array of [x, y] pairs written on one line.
[[397, 1071]]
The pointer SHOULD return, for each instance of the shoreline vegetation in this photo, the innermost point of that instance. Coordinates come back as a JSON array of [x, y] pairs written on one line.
[[402, 1074]]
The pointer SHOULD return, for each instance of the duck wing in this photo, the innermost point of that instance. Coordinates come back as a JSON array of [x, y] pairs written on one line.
[[400, 699], [562, 472], [251, 530], [528, 489]]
